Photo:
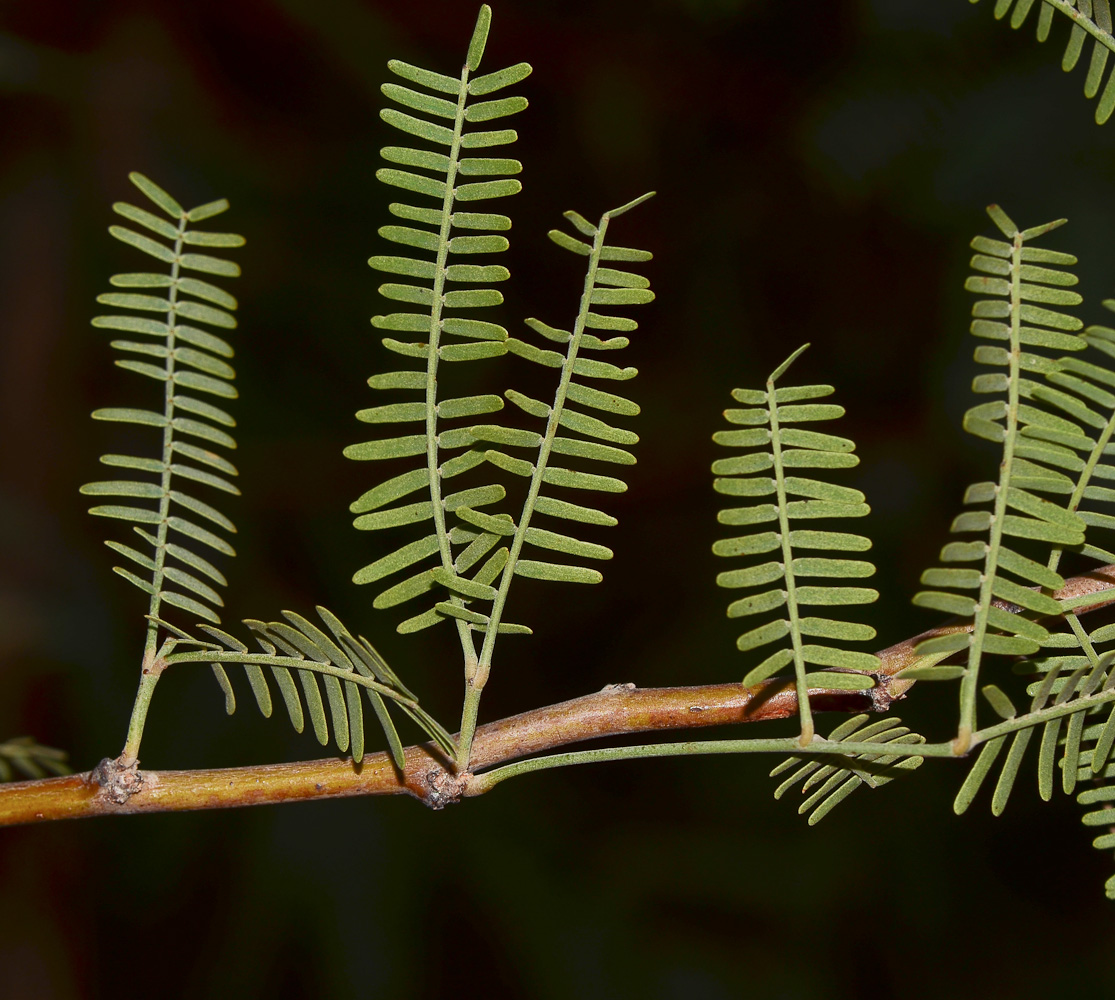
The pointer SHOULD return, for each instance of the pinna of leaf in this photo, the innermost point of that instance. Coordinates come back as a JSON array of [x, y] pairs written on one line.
[[777, 448], [474, 560], [467, 553], [191, 364], [1088, 19]]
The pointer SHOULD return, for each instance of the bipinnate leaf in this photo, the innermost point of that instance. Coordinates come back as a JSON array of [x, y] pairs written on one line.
[[1049, 431], [330, 658], [440, 321], [168, 341], [1090, 30], [1057, 447], [775, 497], [566, 430], [826, 781]]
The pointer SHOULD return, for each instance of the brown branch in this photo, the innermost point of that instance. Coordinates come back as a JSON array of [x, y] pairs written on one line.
[[618, 710]]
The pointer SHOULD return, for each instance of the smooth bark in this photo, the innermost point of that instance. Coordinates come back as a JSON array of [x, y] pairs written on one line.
[[618, 710]]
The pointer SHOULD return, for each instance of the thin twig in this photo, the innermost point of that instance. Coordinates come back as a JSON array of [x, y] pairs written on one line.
[[618, 710]]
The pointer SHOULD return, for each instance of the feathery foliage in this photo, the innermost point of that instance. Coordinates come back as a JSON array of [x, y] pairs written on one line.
[[1054, 418], [190, 362], [834, 780], [475, 558], [765, 473], [344, 663], [29, 759], [1036, 446], [442, 290], [1055, 427], [1090, 18], [569, 431], [1067, 694], [1094, 764]]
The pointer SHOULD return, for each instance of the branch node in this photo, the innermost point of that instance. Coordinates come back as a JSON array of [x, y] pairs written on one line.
[[881, 696], [118, 781], [443, 788]]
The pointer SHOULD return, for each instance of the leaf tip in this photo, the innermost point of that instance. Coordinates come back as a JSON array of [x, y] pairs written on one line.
[[479, 38], [1002, 221], [614, 212], [781, 369]]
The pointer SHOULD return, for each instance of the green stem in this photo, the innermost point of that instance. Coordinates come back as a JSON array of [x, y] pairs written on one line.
[[469, 712], [149, 677], [545, 446], [489, 779], [1032, 719], [130, 753], [168, 451], [464, 630], [805, 714], [969, 684], [1065, 7]]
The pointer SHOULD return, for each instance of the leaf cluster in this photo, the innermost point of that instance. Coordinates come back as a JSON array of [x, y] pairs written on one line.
[[454, 461], [1090, 19], [332, 657], [191, 364], [778, 448], [468, 551], [832, 780], [23, 756]]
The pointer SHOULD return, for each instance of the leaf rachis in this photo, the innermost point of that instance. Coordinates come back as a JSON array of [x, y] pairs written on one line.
[[804, 712]]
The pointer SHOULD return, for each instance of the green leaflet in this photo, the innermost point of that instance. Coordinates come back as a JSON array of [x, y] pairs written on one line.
[[401, 558], [1037, 425], [491, 82], [580, 439], [542, 538], [443, 110], [1091, 24], [331, 658], [557, 573], [825, 785], [765, 416], [1067, 737], [199, 367], [1065, 420], [25, 757], [572, 512]]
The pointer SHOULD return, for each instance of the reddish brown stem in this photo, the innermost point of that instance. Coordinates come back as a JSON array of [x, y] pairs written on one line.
[[618, 710], [427, 775]]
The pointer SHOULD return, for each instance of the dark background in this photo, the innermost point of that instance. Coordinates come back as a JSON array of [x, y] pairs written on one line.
[[820, 169]]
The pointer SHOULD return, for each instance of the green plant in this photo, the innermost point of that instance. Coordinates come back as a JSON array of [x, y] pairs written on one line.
[[1090, 19], [1053, 418]]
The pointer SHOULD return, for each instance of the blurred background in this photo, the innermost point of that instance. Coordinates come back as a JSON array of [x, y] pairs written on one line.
[[820, 169]]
